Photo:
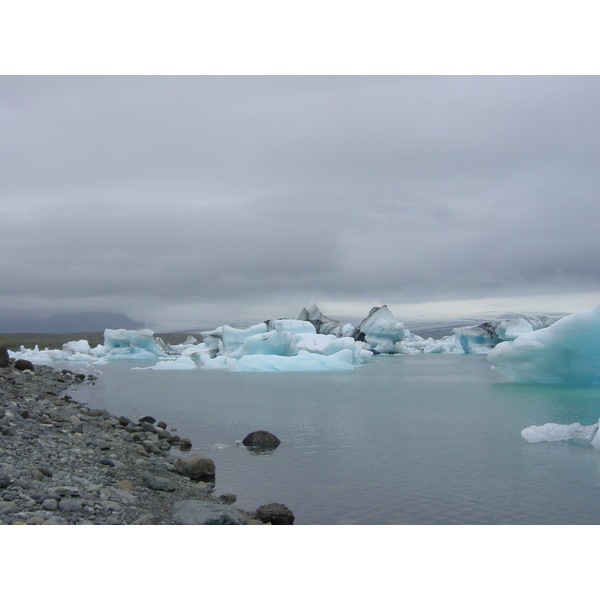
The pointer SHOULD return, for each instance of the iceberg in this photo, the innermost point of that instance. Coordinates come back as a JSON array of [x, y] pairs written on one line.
[[278, 345], [228, 339], [565, 353], [321, 323], [304, 361], [37, 356], [125, 344], [480, 339], [381, 331], [119, 344], [414, 344], [554, 432]]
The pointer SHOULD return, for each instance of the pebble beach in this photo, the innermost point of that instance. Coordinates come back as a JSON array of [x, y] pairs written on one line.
[[64, 463]]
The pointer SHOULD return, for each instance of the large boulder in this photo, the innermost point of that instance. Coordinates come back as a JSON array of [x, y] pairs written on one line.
[[261, 438], [197, 512], [274, 513], [3, 356], [196, 466], [23, 365]]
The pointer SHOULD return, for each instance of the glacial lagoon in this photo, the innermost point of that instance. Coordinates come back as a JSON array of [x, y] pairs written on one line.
[[425, 439]]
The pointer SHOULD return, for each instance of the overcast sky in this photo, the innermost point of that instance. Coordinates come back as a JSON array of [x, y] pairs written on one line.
[[186, 201]]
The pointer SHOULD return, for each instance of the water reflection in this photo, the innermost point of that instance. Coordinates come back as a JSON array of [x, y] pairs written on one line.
[[261, 449]]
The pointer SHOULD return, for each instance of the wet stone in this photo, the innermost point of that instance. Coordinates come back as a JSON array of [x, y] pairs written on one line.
[[70, 505], [49, 504], [157, 483]]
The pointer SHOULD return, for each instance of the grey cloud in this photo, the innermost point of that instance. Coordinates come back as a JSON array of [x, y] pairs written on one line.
[[153, 191]]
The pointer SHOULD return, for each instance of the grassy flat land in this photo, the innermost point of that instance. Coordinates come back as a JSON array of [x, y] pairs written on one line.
[[54, 341]]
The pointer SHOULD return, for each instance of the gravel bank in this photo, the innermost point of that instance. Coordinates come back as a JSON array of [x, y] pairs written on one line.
[[64, 463]]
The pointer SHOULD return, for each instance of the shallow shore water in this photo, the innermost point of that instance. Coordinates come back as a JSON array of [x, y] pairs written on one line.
[[420, 440]]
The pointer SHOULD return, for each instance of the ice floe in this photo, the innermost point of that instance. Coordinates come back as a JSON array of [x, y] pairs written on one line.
[[554, 432]]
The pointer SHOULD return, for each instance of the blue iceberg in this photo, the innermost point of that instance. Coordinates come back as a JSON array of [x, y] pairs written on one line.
[[565, 353]]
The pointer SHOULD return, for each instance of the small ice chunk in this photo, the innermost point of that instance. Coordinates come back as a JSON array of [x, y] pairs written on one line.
[[554, 432]]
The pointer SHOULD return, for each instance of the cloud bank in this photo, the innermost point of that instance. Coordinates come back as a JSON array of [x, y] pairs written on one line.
[[200, 200]]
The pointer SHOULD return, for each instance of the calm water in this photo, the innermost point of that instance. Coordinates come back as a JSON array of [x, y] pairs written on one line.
[[430, 439]]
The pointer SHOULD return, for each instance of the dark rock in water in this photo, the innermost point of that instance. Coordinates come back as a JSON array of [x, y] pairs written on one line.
[[4, 356], [161, 424], [185, 444], [261, 438], [196, 466], [197, 512], [276, 514], [157, 483], [23, 365], [147, 420]]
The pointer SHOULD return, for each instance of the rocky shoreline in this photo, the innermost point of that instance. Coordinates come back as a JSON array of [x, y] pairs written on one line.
[[63, 463]]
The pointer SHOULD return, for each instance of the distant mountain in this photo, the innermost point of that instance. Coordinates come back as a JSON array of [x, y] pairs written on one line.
[[70, 323]]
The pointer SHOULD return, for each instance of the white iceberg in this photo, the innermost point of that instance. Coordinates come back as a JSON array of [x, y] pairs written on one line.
[[414, 344], [304, 361], [512, 328], [278, 345], [554, 432], [119, 344], [125, 344], [321, 323], [480, 339], [381, 331], [228, 339], [565, 353]]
